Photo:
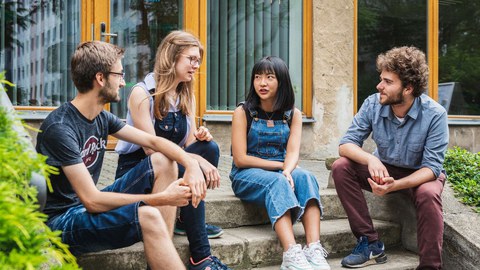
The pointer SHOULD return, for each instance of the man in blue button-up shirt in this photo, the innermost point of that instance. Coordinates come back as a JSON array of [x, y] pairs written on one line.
[[411, 134]]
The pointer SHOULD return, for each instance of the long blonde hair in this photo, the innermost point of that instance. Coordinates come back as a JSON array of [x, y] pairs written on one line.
[[167, 55]]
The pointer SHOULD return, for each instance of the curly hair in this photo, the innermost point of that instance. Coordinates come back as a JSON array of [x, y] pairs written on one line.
[[409, 63], [168, 53]]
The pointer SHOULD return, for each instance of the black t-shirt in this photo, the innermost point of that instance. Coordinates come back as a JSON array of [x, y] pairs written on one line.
[[68, 138]]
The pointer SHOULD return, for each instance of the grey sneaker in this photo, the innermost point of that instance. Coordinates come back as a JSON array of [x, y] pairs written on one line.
[[316, 254], [294, 259]]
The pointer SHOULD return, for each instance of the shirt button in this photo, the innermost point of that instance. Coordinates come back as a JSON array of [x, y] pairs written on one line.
[[175, 129], [166, 127]]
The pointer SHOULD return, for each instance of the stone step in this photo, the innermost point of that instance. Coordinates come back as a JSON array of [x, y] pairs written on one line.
[[226, 210], [245, 247], [398, 259]]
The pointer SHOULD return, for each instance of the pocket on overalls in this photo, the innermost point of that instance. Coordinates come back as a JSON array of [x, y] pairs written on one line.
[[164, 127], [269, 143]]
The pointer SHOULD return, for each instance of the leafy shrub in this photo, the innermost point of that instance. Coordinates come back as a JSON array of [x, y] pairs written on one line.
[[463, 170], [25, 241]]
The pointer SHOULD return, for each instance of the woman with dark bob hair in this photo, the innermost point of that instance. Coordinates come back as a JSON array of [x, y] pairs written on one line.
[[266, 133]]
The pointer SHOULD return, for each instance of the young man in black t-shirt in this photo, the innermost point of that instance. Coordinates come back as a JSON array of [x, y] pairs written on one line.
[[141, 205]]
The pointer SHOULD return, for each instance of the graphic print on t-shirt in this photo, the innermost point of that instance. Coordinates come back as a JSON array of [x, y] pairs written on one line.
[[91, 148]]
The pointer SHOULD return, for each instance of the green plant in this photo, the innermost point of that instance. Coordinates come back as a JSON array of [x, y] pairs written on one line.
[[463, 170], [25, 240]]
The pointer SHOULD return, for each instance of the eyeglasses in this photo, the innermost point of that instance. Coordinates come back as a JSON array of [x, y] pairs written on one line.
[[122, 74], [193, 59]]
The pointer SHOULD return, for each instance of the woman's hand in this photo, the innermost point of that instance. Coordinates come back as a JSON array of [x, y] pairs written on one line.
[[289, 179], [212, 176], [202, 134]]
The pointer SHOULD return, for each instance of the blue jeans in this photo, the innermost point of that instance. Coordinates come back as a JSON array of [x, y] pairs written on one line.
[[272, 190], [194, 218], [85, 232]]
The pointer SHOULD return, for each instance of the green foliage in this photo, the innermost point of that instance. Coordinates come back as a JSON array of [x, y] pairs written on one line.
[[25, 241], [463, 170]]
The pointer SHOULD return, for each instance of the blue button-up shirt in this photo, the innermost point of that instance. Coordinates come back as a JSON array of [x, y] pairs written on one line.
[[419, 141]]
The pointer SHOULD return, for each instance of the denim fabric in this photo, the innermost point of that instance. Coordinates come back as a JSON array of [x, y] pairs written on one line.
[[128, 161], [117, 228], [173, 127], [194, 218], [270, 188], [419, 141]]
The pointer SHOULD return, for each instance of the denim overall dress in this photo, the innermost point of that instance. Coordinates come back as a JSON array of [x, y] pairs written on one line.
[[271, 188]]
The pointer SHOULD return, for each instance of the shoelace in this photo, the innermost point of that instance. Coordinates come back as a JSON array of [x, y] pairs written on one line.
[[318, 249], [361, 245], [299, 257]]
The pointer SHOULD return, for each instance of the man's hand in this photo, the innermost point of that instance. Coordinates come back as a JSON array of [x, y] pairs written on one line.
[[377, 170], [212, 176], [193, 177], [177, 193], [382, 189], [202, 134]]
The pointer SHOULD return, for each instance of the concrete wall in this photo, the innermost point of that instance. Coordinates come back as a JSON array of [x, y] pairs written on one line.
[[467, 137]]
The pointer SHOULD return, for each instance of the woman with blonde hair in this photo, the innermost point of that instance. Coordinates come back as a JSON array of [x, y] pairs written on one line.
[[164, 105]]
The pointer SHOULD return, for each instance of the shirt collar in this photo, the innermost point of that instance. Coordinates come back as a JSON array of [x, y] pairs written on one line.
[[386, 111]]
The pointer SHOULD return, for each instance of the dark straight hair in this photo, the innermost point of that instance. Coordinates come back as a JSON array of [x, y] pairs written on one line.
[[285, 99]]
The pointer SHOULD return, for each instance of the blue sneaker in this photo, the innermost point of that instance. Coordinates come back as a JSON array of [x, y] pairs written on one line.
[[209, 263], [212, 230], [365, 254]]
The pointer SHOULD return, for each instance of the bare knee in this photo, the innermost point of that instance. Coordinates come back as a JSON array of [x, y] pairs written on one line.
[[152, 222], [164, 166]]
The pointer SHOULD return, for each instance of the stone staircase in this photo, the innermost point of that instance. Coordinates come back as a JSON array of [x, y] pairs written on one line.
[[249, 241]]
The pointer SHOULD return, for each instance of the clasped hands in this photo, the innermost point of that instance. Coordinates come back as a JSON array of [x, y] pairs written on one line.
[[380, 181]]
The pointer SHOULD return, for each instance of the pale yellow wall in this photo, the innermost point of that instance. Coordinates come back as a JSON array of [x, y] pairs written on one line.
[[333, 50]]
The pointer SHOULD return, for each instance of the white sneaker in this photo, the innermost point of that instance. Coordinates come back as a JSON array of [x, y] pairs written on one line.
[[294, 259], [316, 255]]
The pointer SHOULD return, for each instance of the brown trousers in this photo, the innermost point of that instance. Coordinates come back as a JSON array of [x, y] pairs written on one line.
[[350, 178]]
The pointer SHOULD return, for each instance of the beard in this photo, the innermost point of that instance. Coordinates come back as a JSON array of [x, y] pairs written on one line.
[[394, 100], [107, 94]]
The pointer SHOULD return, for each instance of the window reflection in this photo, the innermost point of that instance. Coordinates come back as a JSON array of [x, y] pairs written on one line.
[[459, 57], [382, 25], [140, 27], [39, 46]]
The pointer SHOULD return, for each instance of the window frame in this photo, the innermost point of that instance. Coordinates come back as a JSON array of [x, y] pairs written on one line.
[[195, 21], [432, 56]]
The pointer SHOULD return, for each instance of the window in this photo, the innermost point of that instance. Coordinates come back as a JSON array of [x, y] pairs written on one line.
[[459, 57], [242, 32], [382, 25], [43, 62]]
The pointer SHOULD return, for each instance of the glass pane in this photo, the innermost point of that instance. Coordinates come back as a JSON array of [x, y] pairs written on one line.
[[37, 40], [382, 25], [241, 32], [459, 57], [140, 27]]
